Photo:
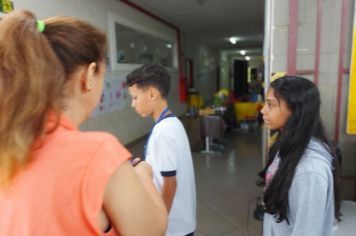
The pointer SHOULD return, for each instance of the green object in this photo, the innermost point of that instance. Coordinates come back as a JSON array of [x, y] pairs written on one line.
[[221, 97], [218, 101], [40, 26]]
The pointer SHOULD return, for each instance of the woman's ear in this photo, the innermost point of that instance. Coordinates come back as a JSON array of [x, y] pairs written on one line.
[[90, 76]]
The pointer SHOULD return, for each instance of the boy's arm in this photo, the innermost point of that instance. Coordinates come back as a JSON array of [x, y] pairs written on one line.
[[168, 190], [167, 154]]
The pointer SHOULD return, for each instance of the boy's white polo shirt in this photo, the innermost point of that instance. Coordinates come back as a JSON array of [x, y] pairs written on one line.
[[168, 152]]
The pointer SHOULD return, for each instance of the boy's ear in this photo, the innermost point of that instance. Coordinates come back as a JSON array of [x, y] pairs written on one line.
[[153, 93]]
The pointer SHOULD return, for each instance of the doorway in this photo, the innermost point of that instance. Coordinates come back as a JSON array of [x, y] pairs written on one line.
[[240, 83]]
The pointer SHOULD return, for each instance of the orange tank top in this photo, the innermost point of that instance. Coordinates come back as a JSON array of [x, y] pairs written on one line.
[[60, 192]]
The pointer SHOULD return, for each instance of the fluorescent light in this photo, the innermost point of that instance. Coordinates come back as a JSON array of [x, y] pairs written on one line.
[[247, 58], [243, 52], [233, 40]]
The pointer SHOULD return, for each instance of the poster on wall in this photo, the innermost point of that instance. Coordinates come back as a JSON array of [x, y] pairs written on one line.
[[112, 98], [351, 111]]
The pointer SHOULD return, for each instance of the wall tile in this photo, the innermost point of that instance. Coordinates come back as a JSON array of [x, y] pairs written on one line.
[[306, 39], [328, 97], [331, 11], [280, 43], [329, 123], [328, 69], [281, 12], [330, 34], [305, 62], [279, 63]]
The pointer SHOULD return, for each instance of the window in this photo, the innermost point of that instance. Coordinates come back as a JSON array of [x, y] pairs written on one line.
[[132, 44]]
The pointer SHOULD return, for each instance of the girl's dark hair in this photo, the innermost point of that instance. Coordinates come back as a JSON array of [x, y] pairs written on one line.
[[150, 75], [303, 99]]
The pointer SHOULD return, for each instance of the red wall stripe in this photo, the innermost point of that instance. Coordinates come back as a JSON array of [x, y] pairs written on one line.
[[317, 43], [292, 37], [344, 17]]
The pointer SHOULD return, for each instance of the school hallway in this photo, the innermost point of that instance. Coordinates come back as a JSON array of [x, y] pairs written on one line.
[[226, 189]]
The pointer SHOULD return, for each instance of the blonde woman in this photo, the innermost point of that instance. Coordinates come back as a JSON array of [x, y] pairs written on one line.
[[55, 179]]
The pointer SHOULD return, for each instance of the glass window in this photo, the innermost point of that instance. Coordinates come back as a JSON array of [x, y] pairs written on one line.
[[135, 47]]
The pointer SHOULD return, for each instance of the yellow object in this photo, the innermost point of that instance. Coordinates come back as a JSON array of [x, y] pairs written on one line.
[[6, 6], [207, 111], [278, 75], [351, 111], [246, 110], [222, 92], [195, 100]]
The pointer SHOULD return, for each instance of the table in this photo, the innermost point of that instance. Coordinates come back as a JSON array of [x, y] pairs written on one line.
[[211, 127]]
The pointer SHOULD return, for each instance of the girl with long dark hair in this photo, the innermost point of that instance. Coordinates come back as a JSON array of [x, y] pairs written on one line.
[[302, 194]]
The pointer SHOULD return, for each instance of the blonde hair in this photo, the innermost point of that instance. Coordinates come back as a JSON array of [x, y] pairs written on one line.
[[31, 80], [34, 68]]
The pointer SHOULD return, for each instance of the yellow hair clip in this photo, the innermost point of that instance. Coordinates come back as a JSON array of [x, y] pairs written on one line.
[[277, 75]]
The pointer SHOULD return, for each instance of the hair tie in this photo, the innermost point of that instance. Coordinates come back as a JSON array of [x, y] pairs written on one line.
[[40, 26], [278, 75]]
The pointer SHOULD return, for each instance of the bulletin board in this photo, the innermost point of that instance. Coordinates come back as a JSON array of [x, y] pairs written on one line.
[[113, 96], [351, 111]]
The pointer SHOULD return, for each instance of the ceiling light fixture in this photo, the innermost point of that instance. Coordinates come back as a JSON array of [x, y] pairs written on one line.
[[233, 40], [243, 52], [247, 58]]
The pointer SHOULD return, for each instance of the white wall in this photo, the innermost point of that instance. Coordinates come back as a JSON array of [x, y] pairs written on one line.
[[329, 59], [125, 124], [225, 73], [204, 63]]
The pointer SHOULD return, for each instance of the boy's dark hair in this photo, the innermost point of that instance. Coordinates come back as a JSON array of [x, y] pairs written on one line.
[[150, 75]]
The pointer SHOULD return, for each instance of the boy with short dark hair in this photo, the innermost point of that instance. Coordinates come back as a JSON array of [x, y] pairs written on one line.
[[167, 149]]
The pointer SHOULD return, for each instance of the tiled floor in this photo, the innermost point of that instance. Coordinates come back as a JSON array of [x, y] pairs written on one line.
[[226, 189]]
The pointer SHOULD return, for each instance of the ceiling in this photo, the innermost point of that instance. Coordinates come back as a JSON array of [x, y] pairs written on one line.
[[214, 21]]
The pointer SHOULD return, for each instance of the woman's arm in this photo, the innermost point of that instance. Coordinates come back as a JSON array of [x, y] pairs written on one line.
[[132, 202]]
